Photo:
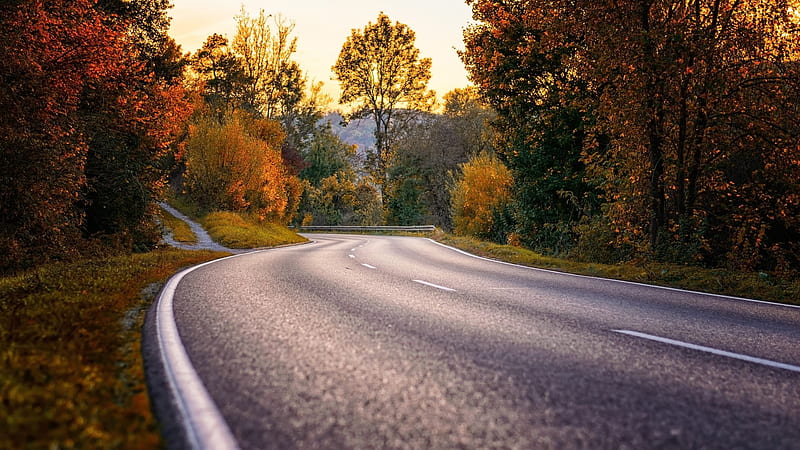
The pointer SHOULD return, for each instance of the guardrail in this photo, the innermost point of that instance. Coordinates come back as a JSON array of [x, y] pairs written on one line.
[[408, 229]]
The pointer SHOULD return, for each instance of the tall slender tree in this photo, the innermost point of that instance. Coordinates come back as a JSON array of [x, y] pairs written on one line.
[[379, 71], [273, 83]]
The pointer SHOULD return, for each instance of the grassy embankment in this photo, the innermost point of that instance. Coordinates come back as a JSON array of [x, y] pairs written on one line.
[[719, 281], [71, 373], [181, 231], [238, 230]]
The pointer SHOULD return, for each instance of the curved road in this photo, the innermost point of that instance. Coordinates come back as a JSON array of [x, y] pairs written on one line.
[[396, 342]]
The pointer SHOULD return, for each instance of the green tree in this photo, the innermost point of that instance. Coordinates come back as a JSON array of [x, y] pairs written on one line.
[[335, 194], [221, 72], [543, 108], [380, 71], [327, 155], [429, 149]]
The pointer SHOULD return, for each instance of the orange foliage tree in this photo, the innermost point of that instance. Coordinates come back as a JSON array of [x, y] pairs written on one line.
[[45, 65], [689, 111], [236, 165]]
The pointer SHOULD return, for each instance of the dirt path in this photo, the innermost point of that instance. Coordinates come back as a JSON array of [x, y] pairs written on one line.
[[204, 241]]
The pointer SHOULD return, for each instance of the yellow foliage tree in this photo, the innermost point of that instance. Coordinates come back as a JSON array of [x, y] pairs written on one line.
[[481, 190]]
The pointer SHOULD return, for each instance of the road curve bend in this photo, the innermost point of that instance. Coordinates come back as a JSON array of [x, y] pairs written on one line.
[[398, 342]]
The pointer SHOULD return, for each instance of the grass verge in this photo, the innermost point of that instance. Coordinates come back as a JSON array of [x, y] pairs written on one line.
[[181, 231], [719, 281], [240, 231], [71, 374]]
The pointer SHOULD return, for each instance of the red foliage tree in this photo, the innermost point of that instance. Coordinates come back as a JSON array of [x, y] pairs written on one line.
[[49, 52], [85, 116]]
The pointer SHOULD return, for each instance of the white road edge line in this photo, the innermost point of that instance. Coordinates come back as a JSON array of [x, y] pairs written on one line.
[[368, 266], [727, 297], [204, 424], [752, 359], [434, 285]]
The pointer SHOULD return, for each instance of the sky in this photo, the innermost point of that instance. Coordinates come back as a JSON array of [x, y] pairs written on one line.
[[322, 26]]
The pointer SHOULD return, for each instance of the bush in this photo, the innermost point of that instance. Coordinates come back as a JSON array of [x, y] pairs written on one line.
[[598, 243], [236, 165], [479, 197]]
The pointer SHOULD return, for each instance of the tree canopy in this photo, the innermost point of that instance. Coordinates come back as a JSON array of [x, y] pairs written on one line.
[[87, 114], [681, 116], [379, 71]]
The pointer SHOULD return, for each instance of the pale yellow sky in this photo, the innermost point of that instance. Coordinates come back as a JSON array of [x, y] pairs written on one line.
[[322, 27]]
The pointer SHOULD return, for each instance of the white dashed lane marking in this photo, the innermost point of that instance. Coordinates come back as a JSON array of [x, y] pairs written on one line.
[[434, 285]]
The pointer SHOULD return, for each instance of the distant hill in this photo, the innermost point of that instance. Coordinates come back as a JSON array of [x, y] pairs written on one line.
[[362, 132], [358, 132]]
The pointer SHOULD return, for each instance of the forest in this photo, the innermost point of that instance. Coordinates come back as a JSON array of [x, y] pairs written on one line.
[[596, 130]]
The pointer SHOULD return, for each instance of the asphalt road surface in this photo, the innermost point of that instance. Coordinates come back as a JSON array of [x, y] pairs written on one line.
[[397, 342]]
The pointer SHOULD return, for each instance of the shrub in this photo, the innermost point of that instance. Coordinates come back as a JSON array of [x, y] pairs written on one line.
[[236, 165], [480, 195]]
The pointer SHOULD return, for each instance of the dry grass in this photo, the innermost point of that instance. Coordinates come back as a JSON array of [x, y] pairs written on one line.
[[234, 230], [71, 374], [181, 231]]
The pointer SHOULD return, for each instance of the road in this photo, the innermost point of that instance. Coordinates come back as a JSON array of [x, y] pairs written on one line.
[[396, 342]]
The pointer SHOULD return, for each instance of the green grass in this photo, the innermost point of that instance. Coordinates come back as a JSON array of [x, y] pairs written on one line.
[[71, 374], [240, 231], [181, 231], [719, 281]]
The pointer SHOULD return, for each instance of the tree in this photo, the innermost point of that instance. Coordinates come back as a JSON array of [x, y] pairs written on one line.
[[327, 155], [302, 124], [428, 150], [237, 166], [131, 118], [146, 24], [221, 72], [680, 111], [273, 82], [687, 110], [379, 70], [49, 52], [131, 123], [87, 116], [543, 108], [335, 194]]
